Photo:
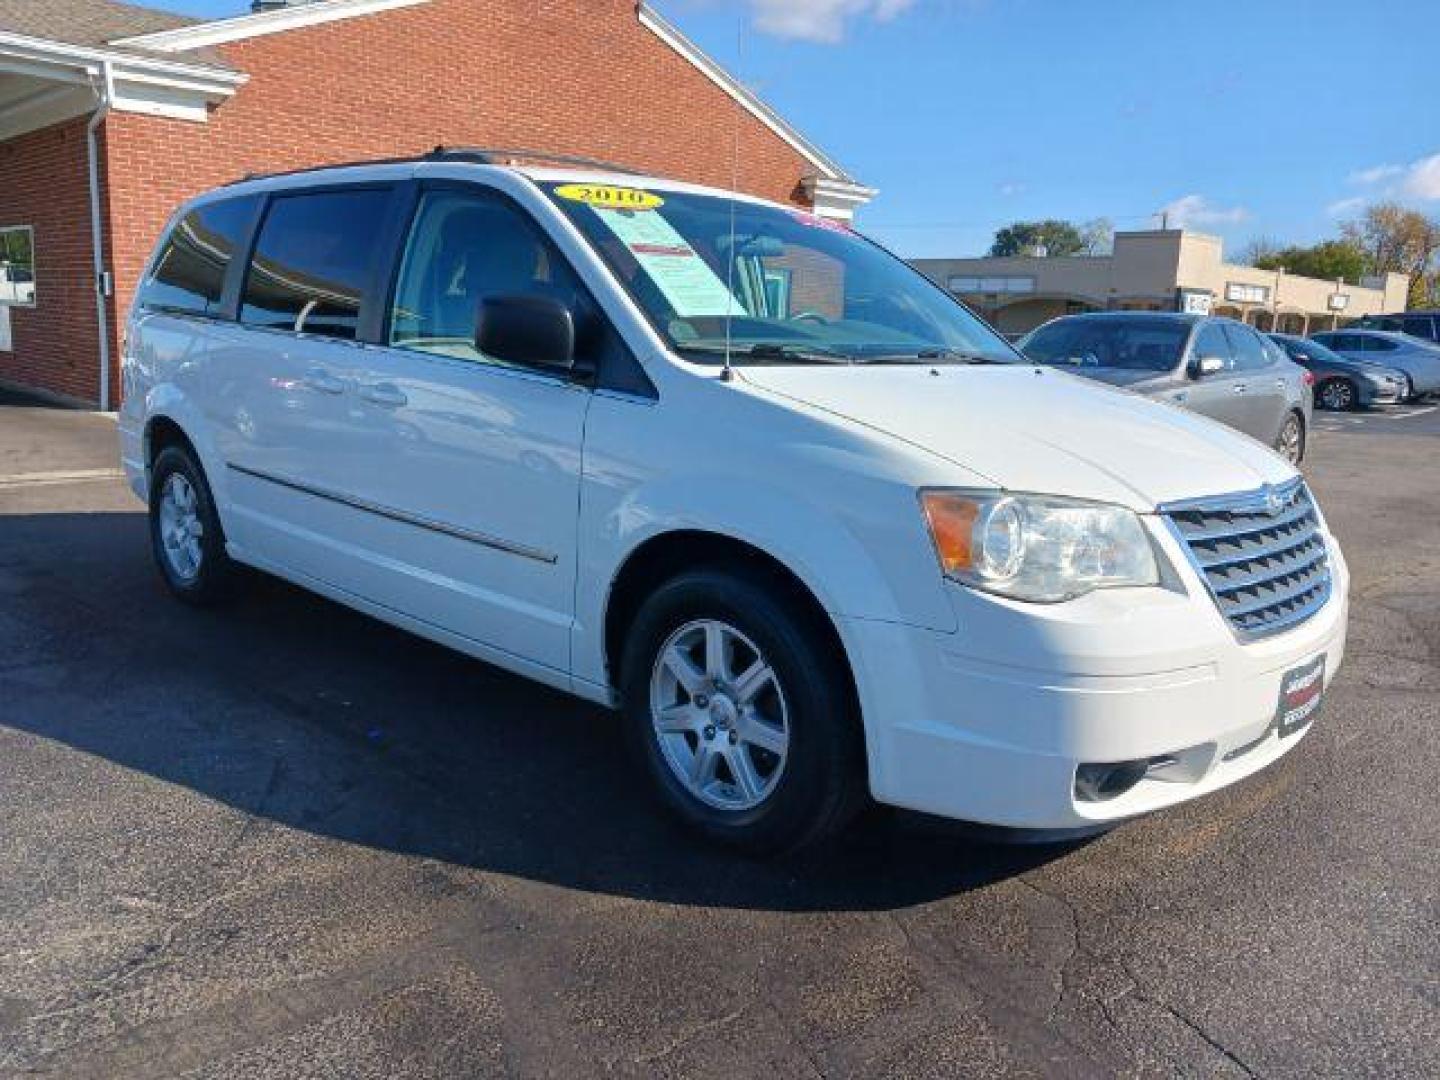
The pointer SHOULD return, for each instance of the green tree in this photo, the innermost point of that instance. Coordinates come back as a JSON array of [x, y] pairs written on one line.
[[1329, 260], [1024, 237]]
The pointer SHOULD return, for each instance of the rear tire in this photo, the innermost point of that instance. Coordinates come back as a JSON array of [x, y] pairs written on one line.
[[185, 533], [1338, 395], [768, 763]]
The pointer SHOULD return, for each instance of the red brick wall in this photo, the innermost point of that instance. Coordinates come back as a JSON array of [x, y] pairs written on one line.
[[44, 184], [578, 76]]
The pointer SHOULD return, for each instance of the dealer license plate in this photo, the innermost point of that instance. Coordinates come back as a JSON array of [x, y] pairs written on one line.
[[1301, 691]]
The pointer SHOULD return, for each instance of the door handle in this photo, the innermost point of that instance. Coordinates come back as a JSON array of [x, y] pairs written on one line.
[[324, 382], [387, 394], [1239, 388]]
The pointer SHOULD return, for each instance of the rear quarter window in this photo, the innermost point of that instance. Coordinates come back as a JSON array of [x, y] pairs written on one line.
[[188, 274]]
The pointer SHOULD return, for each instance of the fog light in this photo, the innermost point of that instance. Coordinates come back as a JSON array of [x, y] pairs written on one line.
[[1097, 782]]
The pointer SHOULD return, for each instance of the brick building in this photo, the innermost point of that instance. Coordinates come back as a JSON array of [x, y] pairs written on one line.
[[111, 114]]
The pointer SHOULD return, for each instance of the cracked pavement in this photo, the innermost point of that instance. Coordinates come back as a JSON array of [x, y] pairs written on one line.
[[284, 840]]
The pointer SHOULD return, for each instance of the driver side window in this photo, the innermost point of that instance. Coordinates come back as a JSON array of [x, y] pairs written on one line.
[[1250, 353], [465, 248], [1212, 342]]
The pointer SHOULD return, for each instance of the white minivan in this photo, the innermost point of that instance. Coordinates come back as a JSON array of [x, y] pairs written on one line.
[[729, 467]]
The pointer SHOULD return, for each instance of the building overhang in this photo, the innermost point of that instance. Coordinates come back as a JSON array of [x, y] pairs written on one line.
[[837, 199], [47, 82]]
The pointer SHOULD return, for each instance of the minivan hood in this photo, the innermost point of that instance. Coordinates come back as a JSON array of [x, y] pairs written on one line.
[[1035, 429]]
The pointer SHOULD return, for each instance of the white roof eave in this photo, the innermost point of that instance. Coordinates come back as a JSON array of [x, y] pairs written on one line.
[[59, 57], [276, 21]]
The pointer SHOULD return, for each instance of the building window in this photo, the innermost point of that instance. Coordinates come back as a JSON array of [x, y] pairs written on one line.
[[962, 284], [17, 265], [1239, 293]]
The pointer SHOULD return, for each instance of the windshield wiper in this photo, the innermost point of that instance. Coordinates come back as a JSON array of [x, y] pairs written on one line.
[[775, 353], [929, 356]]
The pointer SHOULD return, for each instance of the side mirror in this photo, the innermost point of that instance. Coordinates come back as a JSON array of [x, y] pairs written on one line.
[[1208, 365], [536, 331]]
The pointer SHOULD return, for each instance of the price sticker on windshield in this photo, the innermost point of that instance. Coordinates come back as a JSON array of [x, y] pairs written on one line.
[[605, 197]]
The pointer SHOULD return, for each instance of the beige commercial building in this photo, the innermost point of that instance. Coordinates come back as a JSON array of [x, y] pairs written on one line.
[[1158, 270]]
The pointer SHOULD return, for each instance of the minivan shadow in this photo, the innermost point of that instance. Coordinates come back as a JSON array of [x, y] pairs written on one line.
[[297, 710]]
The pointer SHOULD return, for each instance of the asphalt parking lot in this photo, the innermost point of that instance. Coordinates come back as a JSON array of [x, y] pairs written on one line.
[[284, 840]]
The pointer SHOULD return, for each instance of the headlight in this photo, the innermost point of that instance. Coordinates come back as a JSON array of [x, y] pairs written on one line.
[[1037, 547]]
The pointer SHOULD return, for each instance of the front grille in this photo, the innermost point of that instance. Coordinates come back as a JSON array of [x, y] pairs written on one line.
[[1261, 554]]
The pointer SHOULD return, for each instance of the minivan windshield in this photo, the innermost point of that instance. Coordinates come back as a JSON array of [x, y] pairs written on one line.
[[1104, 342], [770, 285]]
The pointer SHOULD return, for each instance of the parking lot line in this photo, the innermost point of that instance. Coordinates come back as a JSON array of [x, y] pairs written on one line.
[[72, 476], [1416, 412]]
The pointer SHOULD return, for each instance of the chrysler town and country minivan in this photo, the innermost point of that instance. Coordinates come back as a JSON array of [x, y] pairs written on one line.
[[728, 467]]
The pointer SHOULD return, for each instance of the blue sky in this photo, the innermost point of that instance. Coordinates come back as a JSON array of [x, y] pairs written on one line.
[[1277, 117]]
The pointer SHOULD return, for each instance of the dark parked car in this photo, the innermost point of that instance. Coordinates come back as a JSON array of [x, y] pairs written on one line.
[[1219, 368], [1341, 383], [1421, 324]]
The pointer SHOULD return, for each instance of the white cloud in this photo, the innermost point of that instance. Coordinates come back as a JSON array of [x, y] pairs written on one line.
[[1196, 211], [1375, 174], [1420, 180], [1341, 207], [822, 21]]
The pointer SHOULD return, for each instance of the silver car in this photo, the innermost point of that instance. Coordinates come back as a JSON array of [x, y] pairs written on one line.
[[1416, 357], [1218, 367]]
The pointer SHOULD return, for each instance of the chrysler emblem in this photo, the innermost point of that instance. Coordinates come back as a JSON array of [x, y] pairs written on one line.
[[1274, 501]]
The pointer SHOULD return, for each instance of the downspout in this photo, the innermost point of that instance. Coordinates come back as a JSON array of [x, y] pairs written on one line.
[[106, 92]]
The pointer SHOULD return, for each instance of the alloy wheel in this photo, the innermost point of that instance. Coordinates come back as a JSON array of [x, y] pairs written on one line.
[[719, 715], [181, 529], [1338, 395]]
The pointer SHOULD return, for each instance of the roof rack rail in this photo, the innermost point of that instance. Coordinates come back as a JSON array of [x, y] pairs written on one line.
[[479, 155], [409, 159], [485, 155]]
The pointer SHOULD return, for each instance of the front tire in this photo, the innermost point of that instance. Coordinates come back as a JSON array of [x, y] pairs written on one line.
[[185, 534], [1290, 443], [741, 713], [1338, 395]]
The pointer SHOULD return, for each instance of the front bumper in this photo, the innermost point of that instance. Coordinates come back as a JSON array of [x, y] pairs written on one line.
[[990, 724], [1371, 395]]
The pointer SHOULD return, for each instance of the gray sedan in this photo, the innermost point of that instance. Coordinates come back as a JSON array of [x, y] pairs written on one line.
[[1417, 358], [1218, 367], [1341, 383]]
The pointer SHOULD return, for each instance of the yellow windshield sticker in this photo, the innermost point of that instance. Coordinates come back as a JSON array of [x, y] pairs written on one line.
[[604, 197]]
